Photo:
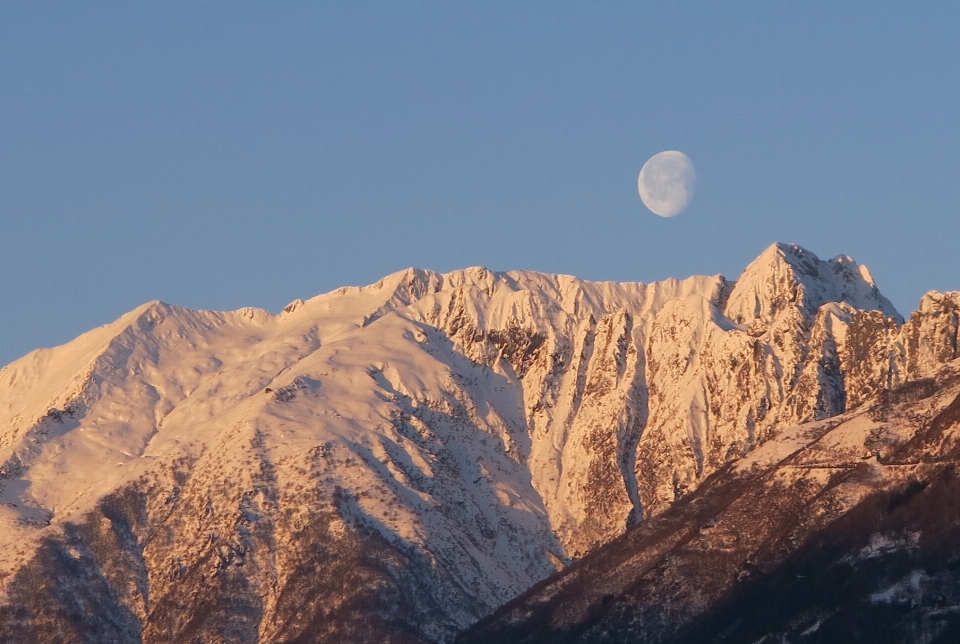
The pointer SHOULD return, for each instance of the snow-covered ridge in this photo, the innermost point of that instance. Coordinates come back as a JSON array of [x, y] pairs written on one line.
[[486, 426]]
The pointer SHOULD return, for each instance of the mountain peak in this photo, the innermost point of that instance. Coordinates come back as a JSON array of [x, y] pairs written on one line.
[[786, 275]]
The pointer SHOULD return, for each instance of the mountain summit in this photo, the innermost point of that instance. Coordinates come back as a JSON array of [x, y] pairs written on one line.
[[786, 274], [393, 462]]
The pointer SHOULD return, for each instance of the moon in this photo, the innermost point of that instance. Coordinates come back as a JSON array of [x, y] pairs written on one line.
[[666, 183]]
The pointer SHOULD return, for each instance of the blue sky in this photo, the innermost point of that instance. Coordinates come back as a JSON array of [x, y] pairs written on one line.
[[218, 155]]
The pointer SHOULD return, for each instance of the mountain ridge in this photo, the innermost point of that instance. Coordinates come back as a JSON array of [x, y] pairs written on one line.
[[457, 436]]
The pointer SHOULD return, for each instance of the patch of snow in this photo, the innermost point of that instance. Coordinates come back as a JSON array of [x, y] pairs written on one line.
[[812, 629], [908, 589]]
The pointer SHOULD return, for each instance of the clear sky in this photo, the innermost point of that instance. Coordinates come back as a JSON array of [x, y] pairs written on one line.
[[217, 155]]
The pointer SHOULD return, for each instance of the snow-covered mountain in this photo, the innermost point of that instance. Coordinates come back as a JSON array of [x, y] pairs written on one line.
[[845, 529], [391, 463]]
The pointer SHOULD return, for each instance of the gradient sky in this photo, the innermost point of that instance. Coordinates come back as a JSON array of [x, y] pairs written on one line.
[[217, 155]]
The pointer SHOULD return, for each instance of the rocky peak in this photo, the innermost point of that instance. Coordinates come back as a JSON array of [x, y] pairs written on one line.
[[930, 335], [937, 303], [787, 276]]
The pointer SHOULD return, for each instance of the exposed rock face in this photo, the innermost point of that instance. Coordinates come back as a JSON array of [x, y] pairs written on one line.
[[390, 463], [840, 530], [930, 336]]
